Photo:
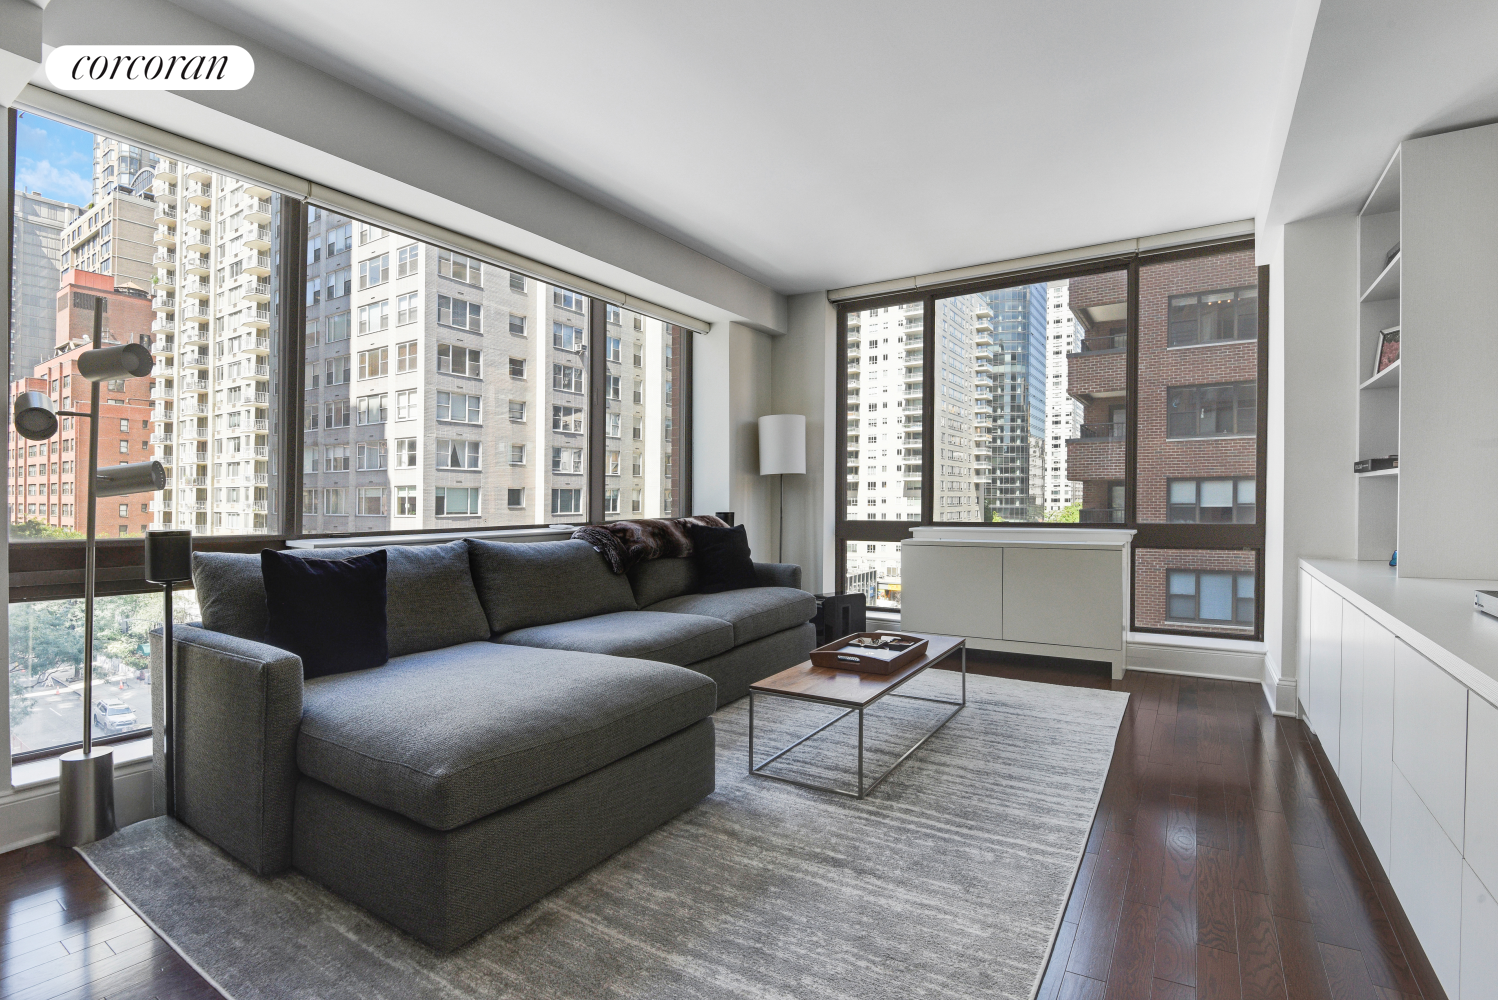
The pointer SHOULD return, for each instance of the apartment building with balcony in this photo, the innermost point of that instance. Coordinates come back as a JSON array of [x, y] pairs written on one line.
[[214, 303], [46, 477], [1063, 414], [39, 223], [886, 438], [1097, 379], [1197, 421]]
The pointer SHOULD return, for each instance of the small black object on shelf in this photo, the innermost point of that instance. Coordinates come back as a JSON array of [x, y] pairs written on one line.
[[1393, 252], [168, 562], [726, 516], [1376, 464]]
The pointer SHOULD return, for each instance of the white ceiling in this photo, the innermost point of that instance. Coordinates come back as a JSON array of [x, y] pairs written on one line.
[[1379, 72], [820, 144]]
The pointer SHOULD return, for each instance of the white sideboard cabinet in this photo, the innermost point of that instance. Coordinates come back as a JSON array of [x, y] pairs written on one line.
[[1399, 682], [1046, 591]]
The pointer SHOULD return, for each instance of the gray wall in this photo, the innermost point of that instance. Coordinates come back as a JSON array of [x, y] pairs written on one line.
[[730, 392], [804, 369]]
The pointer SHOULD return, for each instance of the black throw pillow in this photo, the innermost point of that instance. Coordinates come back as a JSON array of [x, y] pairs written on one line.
[[722, 558], [330, 612]]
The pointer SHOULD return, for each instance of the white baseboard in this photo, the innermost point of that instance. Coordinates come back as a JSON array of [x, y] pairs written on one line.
[[1279, 692], [30, 815], [1184, 657]]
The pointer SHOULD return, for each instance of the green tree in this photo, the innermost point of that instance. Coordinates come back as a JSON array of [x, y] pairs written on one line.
[[1070, 514], [32, 528]]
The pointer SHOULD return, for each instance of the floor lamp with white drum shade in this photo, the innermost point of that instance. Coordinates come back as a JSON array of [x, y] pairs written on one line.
[[782, 449]]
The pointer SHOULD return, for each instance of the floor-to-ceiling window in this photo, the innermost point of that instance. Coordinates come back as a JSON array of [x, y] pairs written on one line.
[[1119, 392], [316, 371]]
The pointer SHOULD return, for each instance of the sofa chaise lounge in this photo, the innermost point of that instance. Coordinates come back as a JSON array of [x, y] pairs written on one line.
[[537, 714]]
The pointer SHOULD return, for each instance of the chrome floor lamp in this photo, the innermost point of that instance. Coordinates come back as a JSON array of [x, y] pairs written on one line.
[[86, 783]]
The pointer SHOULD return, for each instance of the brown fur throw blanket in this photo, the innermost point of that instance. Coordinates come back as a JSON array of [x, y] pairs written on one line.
[[625, 544]]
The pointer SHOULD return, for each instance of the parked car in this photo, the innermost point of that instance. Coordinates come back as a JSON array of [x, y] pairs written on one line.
[[114, 716]]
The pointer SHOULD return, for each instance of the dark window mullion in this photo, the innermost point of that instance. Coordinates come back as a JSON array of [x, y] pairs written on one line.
[[293, 346], [596, 408], [928, 411]]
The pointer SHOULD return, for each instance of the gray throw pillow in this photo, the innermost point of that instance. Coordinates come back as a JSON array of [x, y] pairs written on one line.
[[431, 602], [522, 584]]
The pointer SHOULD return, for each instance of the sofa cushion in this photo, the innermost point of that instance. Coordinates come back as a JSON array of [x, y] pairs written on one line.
[[430, 598], [448, 736], [650, 635], [522, 584], [329, 612], [722, 558], [657, 579], [753, 613]]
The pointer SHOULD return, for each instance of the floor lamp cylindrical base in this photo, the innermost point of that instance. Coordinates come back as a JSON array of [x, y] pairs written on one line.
[[86, 796]]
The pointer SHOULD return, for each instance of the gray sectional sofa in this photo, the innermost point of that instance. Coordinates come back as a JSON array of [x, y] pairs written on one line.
[[537, 713]]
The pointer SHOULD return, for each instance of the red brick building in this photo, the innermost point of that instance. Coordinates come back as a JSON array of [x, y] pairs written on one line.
[[1197, 426], [47, 477]]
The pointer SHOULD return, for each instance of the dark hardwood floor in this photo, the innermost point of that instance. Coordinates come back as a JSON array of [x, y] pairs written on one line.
[[67, 936], [1223, 865]]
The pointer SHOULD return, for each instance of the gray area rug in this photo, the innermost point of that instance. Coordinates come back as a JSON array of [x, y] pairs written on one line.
[[948, 881]]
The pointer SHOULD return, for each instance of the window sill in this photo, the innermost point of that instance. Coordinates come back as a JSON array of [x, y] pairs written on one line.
[[1211, 343], [1246, 645], [1215, 437], [39, 773]]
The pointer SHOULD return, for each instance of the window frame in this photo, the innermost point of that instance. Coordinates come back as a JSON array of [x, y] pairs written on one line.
[[54, 568], [1225, 537]]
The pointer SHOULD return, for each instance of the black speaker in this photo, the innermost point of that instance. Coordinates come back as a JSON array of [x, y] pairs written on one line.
[[839, 615], [726, 516], [169, 555]]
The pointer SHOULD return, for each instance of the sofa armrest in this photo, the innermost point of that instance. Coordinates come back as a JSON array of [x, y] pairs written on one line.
[[238, 710], [778, 575]]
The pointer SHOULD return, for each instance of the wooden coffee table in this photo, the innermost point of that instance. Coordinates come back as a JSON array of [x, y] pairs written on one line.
[[853, 692]]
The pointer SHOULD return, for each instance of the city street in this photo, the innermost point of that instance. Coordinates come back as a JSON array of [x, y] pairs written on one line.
[[56, 716]]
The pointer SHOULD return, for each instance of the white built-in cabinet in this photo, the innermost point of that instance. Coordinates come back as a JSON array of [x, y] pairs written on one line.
[[1416, 750]]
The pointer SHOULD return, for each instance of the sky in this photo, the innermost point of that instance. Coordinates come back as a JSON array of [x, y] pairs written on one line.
[[54, 160]]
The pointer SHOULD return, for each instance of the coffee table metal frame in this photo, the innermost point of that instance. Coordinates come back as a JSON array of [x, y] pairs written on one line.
[[758, 770]]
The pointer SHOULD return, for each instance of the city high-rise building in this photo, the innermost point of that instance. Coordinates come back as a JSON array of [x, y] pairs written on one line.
[[113, 236], [963, 406], [441, 391], [46, 477], [39, 225], [1011, 364], [1063, 414], [216, 373], [885, 438]]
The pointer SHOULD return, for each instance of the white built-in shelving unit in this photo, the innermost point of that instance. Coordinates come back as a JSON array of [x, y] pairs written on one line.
[[1427, 260], [1378, 394]]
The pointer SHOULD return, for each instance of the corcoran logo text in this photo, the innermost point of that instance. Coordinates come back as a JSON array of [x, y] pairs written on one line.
[[149, 67]]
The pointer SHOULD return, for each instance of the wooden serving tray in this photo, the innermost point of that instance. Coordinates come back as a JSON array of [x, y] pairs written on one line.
[[839, 655]]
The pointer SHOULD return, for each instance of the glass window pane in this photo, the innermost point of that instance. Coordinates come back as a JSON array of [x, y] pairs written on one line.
[[1195, 590], [885, 436], [1216, 492], [642, 427], [183, 257], [46, 678], [1198, 364], [1183, 491], [1215, 596], [873, 569], [1031, 407], [455, 414]]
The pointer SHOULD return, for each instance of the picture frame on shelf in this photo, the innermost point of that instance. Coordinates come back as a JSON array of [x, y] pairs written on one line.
[[1388, 349]]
